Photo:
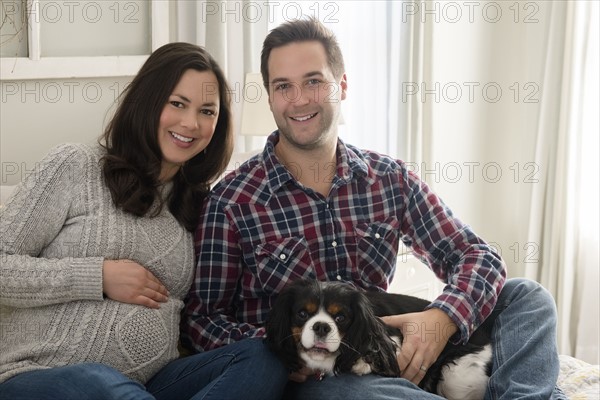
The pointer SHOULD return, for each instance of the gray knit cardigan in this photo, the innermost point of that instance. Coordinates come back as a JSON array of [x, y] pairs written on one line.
[[55, 232]]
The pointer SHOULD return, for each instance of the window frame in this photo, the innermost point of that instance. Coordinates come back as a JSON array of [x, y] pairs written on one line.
[[36, 67]]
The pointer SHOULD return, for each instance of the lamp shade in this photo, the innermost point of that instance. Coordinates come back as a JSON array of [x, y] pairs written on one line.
[[257, 119]]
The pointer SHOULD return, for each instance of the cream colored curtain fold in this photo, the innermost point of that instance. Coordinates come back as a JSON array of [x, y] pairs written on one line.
[[568, 263]]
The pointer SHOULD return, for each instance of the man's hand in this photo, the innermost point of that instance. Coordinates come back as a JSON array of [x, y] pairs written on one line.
[[129, 282], [425, 336]]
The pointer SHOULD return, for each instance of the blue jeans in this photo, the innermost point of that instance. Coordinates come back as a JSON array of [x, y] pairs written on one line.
[[525, 363], [243, 370]]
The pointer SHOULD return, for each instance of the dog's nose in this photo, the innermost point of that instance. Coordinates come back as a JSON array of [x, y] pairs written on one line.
[[321, 328]]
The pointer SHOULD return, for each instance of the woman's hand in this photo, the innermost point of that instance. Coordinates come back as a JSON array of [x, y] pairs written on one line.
[[425, 336], [129, 282]]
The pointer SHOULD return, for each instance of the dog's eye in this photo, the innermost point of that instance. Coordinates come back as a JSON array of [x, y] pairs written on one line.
[[302, 314], [339, 318]]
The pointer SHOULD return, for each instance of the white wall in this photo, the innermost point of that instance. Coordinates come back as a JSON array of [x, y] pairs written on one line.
[[36, 115]]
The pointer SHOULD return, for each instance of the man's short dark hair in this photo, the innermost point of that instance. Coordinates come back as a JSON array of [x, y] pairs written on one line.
[[302, 30]]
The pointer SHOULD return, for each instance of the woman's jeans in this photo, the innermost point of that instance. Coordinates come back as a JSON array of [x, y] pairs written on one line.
[[243, 370], [525, 363]]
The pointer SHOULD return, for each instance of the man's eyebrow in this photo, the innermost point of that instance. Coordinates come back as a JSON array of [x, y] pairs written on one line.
[[310, 74], [279, 80], [307, 75]]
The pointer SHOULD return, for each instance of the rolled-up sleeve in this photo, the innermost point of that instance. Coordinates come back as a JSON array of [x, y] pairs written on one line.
[[471, 269]]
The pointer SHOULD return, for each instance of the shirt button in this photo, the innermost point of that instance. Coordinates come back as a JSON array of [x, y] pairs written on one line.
[[377, 236], [339, 278], [334, 243], [282, 256]]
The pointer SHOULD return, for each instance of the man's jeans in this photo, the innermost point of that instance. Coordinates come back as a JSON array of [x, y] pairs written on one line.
[[243, 370], [525, 363]]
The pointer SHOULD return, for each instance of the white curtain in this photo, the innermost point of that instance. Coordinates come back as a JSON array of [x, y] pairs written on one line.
[[411, 45], [564, 207], [587, 337]]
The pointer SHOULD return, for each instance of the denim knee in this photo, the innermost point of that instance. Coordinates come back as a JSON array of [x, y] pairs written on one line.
[[96, 372], [536, 296], [107, 382], [73, 382]]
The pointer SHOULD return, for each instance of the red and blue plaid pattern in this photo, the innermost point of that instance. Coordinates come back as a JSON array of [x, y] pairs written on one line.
[[260, 228]]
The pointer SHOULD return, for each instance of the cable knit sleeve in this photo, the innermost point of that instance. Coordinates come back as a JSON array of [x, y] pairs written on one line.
[[36, 269]]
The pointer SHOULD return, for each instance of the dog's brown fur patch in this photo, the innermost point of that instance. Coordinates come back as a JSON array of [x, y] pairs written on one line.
[[334, 308], [297, 333], [311, 308]]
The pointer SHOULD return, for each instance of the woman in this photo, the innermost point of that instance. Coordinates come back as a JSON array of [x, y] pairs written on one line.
[[97, 251]]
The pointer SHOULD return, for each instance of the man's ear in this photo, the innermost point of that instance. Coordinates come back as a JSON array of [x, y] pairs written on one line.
[[344, 86]]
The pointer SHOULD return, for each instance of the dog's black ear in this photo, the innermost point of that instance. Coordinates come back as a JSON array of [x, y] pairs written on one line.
[[367, 337], [356, 338], [278, 329]]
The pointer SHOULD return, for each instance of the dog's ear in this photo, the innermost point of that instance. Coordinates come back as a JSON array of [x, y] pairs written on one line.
[[357, 338], [367, 337], [278, 329]]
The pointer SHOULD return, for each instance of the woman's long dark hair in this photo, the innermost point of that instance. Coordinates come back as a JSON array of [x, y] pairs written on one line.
[[132, 163]]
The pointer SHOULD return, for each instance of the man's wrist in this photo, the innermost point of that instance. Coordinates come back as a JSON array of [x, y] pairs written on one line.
[[447, 326]]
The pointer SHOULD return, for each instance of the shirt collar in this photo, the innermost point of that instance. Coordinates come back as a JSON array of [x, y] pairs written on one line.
[[350, 165]]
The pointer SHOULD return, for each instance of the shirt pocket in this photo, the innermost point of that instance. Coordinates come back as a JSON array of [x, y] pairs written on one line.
[[281, 261], [376, 250]]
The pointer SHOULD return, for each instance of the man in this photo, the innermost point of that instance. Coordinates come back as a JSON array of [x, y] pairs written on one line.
[[311, 206]]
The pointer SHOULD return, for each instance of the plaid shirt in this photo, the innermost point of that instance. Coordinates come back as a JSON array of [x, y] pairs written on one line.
[[260, 228]]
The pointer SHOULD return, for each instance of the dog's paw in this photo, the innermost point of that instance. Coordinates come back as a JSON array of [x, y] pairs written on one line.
[[361, 367]]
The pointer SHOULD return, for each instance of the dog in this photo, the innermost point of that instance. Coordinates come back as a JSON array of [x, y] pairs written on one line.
[[334, 328]]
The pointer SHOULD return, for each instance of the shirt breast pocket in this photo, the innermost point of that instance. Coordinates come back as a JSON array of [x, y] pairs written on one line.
[[280, 261], [376, 250]]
